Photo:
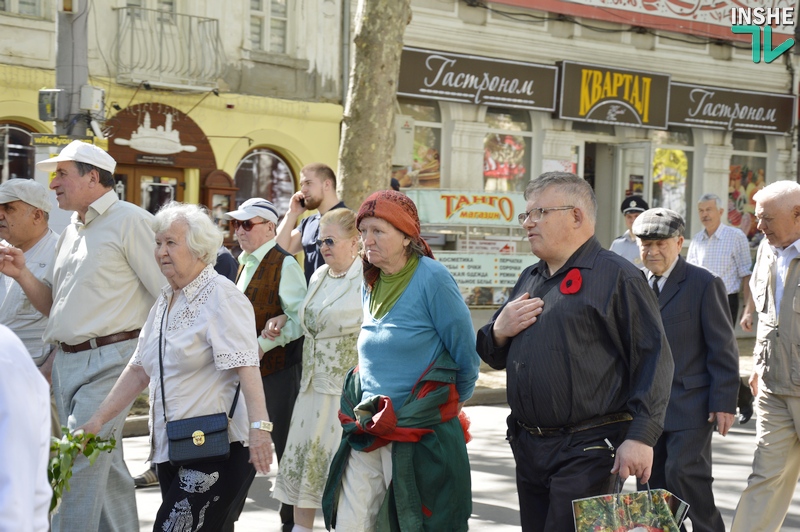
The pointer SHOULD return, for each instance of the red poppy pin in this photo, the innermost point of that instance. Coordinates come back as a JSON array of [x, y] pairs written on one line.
[[572, 282]]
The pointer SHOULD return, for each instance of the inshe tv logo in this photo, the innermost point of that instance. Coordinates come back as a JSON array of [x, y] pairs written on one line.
[[758, 20]]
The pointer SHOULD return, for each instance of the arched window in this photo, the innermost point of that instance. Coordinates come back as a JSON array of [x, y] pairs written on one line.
[[747, 176], [263, 173], [507, 150], [17, 155], [426, 168]]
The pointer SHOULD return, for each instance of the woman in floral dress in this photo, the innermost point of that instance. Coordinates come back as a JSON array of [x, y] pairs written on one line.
[[331, 318]]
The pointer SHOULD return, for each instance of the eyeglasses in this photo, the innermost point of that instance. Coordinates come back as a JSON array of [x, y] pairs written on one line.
[[327, 241], [536, 215], [247, 225]]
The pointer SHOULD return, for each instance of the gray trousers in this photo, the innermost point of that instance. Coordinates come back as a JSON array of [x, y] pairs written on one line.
[[101, 496]]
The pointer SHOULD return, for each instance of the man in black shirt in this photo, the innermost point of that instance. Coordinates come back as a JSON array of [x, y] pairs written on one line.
[[317, 191], [588, 365]]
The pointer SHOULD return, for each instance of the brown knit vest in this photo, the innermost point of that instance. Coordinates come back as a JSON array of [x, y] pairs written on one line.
[[262, 291]]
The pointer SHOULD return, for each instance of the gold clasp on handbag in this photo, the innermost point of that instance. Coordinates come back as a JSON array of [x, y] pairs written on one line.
[[198, 438]]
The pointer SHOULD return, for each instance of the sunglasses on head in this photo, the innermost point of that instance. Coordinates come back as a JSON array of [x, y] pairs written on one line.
[[247, 225], [327, 241]]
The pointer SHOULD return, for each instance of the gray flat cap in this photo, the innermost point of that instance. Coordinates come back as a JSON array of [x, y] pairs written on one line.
[[658, 224]]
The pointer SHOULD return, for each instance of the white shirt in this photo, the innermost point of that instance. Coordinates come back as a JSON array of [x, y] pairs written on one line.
[[16, 311], [785, 257], [208, 332], [24, 439], [105, 277], [664, 276], [725, 253]]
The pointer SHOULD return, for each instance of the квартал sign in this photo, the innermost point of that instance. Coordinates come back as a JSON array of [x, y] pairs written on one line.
[[479, 80], [592, 93]]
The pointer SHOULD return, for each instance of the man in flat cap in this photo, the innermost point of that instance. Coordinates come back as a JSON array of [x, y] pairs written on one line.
[[97, 293], [693, 304], [274, 283], [625, 245], [587, 362]]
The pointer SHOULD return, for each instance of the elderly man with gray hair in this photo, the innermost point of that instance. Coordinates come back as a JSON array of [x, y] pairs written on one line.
[[775, 381], [724, 250]]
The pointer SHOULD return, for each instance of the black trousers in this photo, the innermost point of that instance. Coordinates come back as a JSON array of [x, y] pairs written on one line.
[[553, 471], [280, 390], [682, 465], [745, 397], [202, 493]]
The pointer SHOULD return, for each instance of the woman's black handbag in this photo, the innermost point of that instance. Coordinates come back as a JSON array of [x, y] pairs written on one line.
[[195, 439]]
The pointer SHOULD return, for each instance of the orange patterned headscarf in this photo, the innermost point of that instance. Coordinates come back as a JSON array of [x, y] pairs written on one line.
[[397, 209]]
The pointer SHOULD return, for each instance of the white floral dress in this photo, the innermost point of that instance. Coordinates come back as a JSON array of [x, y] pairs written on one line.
[[331, 317]]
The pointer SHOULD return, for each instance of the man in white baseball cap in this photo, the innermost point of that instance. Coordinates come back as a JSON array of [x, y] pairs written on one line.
[[274, 283], [24, 208], [97, 292]]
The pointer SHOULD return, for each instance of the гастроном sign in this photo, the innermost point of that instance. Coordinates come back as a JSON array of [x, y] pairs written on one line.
[[758, 20], [479, 80]]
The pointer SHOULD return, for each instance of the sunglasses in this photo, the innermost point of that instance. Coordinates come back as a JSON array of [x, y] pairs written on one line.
[[247, 225], [327, 241]]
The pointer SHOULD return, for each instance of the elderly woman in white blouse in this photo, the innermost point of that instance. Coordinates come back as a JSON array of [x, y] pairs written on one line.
[[203, 325]]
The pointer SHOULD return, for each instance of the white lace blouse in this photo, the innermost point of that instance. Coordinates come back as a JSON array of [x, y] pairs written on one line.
[[208, 333]]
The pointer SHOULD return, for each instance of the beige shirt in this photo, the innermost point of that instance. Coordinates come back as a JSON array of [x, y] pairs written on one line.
[[105, 277], [207, 335]]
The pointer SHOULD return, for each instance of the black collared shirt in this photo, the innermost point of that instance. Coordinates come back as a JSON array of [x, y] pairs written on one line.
[[599, 351]]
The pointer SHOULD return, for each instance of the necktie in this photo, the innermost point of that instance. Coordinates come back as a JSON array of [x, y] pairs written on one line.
[[656, 279]]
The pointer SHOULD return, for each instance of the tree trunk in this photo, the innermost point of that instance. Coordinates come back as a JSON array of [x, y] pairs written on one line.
[[367, 140]]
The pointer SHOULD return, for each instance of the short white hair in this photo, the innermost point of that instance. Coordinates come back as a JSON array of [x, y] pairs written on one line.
[[785, 191], [202, 236]]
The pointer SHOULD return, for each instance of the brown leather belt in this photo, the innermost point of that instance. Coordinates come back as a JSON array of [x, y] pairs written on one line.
[[577, 427], [94, 343]]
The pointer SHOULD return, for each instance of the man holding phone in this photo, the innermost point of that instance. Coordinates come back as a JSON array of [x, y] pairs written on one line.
[[317, 191]]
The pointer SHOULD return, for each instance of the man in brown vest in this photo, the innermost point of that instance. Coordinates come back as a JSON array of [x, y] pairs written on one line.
[[274, 283]]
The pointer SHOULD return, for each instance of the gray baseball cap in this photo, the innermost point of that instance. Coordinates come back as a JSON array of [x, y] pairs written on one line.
[[26, 190]]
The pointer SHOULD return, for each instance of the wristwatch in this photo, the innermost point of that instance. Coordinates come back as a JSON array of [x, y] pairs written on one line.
[[266, 426]]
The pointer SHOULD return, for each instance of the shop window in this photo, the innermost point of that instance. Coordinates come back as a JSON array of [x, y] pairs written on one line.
[[426, 168], [268, 25], [506, 150], [747, 176], [672, 171], [17, 155], [263, 173], [31, 8]]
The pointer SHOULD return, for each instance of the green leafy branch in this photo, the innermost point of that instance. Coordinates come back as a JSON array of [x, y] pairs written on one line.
[[64, 451]]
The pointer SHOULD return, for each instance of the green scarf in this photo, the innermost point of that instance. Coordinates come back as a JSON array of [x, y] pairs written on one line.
[[389, 288]]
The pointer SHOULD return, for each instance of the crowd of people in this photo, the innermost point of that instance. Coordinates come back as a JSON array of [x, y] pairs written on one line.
[[355, 366]]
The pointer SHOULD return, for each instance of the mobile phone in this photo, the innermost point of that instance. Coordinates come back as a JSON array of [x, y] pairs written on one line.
[[303, 202]]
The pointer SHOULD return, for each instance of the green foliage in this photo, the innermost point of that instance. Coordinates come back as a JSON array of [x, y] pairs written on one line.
[[63, 453]]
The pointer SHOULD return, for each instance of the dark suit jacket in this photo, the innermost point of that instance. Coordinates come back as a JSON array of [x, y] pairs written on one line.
[[694, 310]]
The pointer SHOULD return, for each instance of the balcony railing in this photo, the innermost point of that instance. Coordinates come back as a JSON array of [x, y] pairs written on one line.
[[168, 49]]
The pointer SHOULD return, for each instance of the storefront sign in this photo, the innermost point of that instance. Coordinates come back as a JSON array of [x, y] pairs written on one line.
[[485, 270], [160, 160], [480, 80], [591, 93], [467, 208], [731, 110], [56, 141]]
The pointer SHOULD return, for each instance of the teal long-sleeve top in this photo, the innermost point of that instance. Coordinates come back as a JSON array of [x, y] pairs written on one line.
[[429, 318]]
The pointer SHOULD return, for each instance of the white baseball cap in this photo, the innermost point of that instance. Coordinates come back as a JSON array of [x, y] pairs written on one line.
[[81, 152], [252, 208], [26, 190]]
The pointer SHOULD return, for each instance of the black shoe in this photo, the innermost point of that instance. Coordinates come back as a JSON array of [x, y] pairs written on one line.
[[146, 479], [745, 413]]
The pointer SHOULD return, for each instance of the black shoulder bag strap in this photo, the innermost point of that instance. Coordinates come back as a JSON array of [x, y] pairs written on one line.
[[161, 369]]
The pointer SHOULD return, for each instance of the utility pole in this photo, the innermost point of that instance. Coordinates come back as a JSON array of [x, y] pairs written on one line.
[[72, 65]]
